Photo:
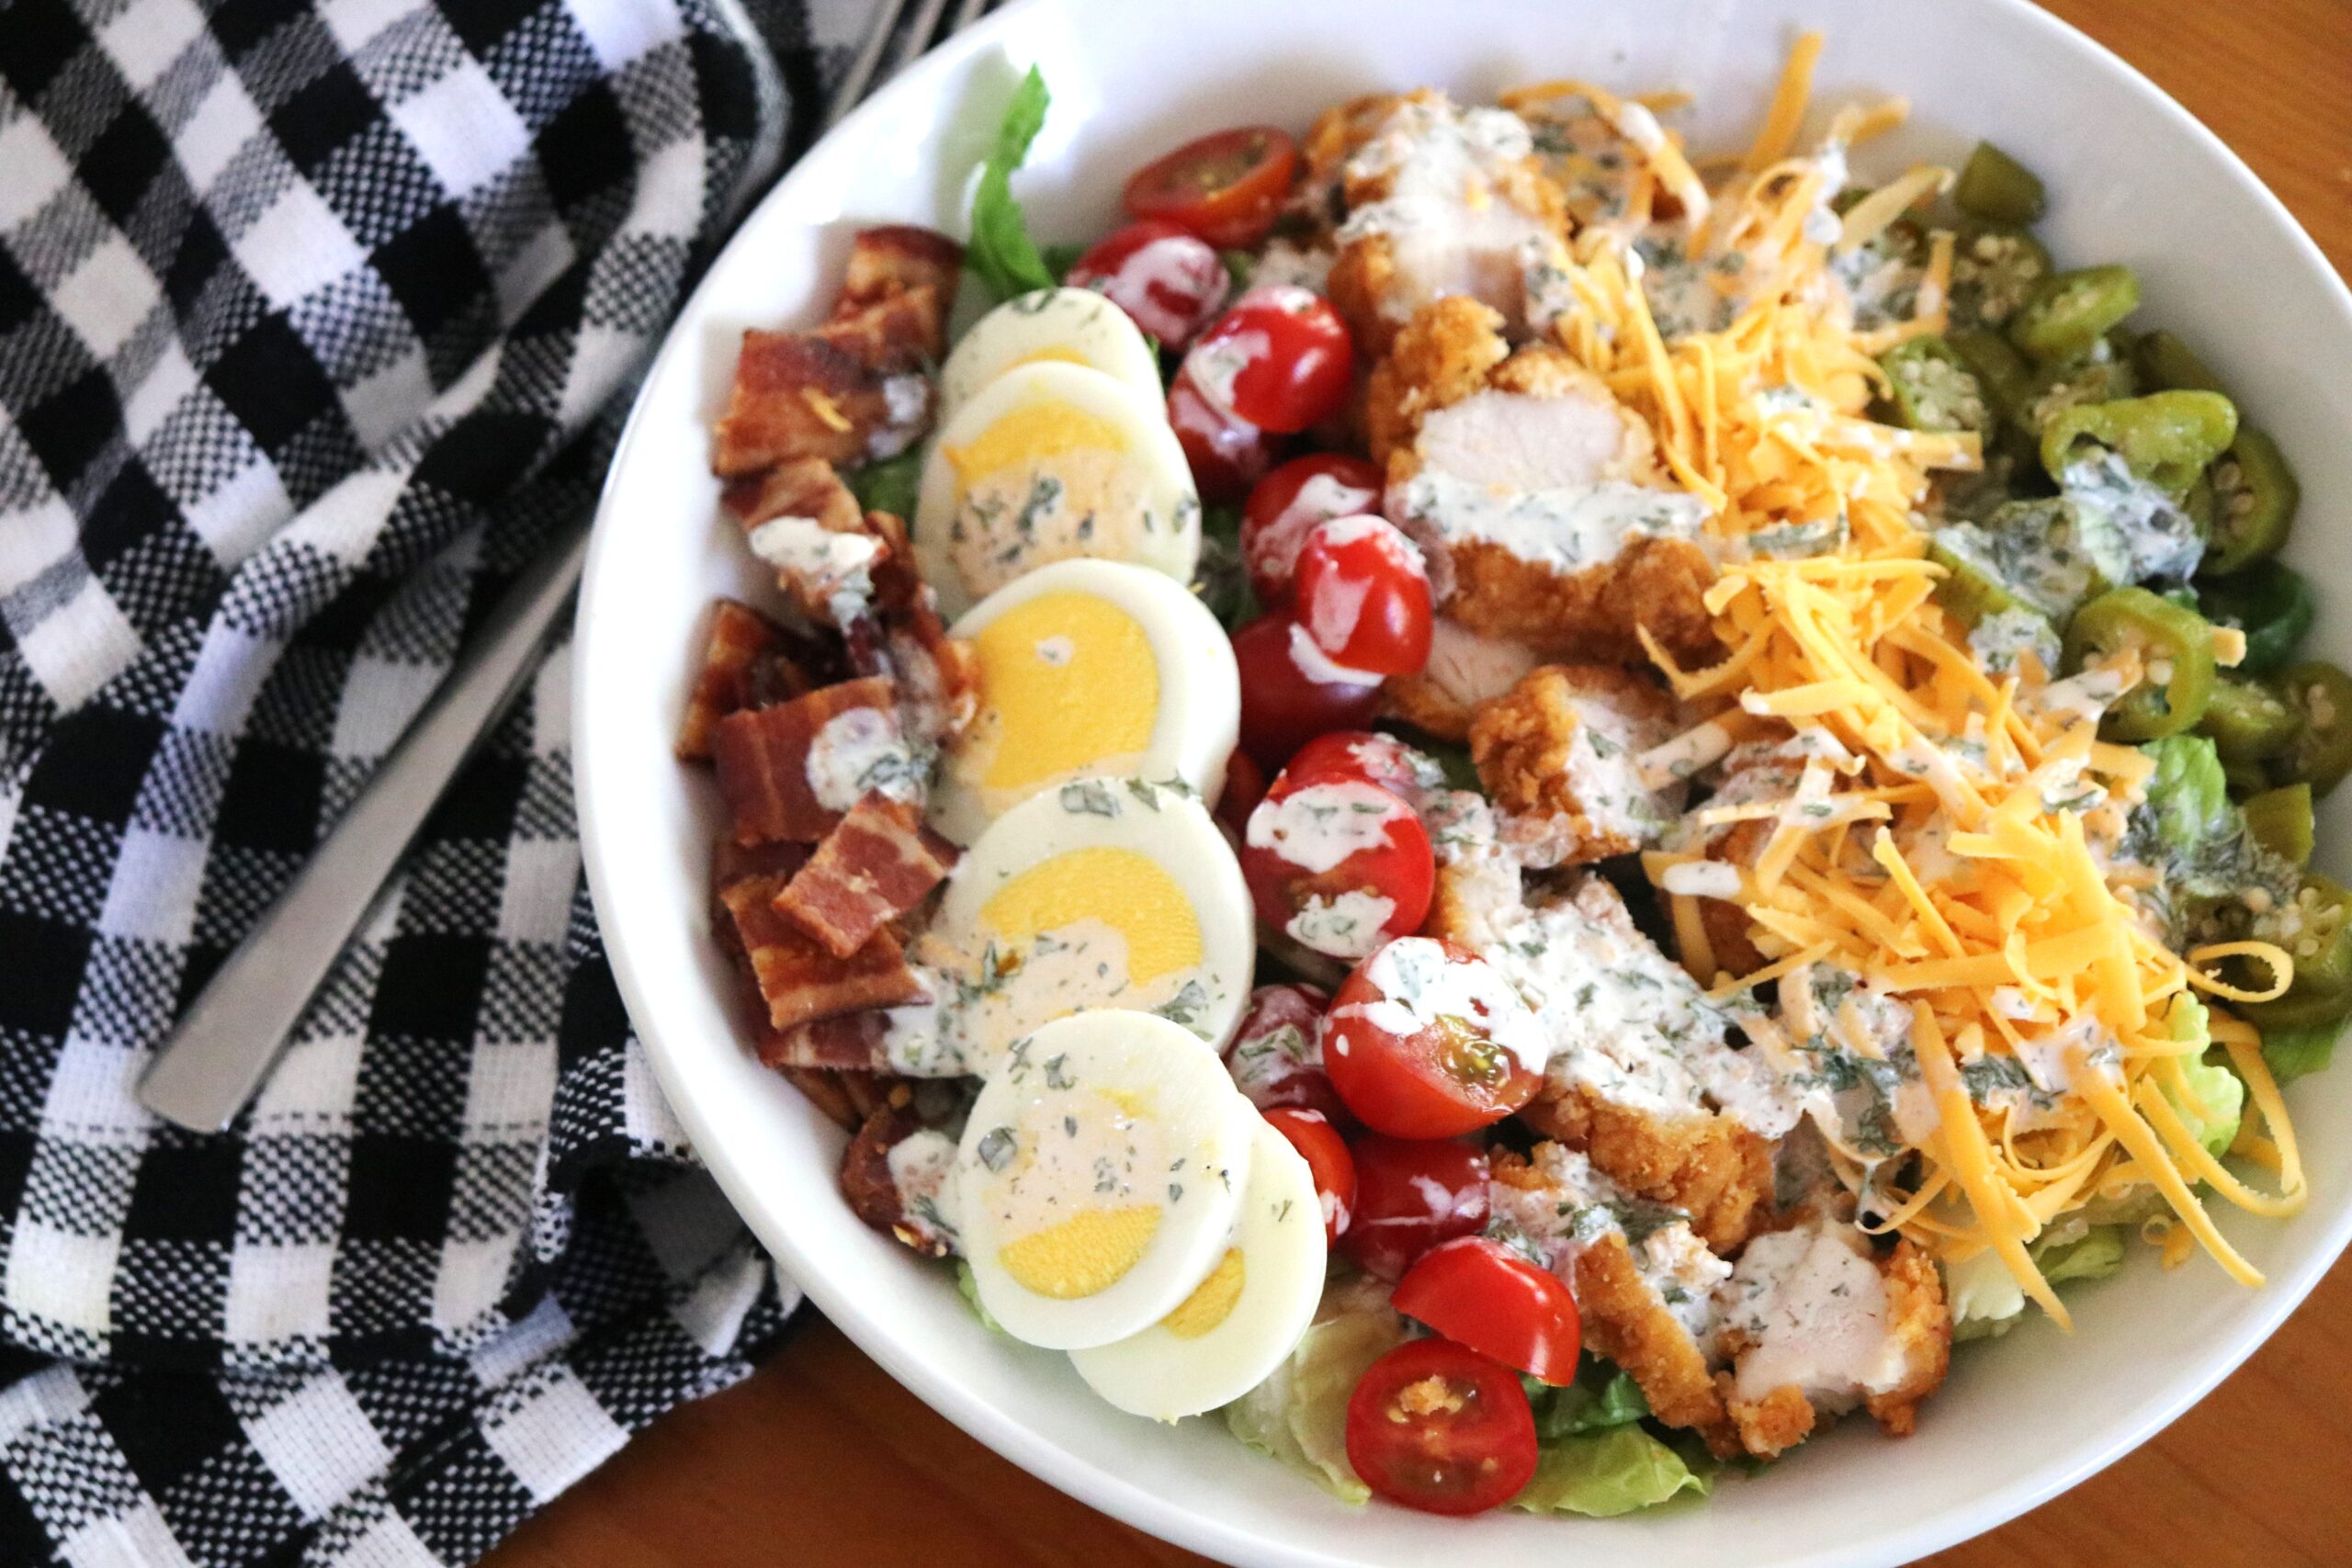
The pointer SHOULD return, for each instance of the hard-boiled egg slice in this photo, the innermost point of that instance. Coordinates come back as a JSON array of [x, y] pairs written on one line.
[[1075, 326], [1046, 463], [1099, 893], [1099, 1176], [1243, 1318], [1088, 668]]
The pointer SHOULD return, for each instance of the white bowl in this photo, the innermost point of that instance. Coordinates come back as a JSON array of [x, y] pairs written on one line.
[[2133, 179]]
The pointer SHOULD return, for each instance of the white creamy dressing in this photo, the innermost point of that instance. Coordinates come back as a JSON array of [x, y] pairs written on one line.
[[860, 749], [1283, 262], [1850, 1063], [1319, 667], [827, 566], [2161, 538], [1318, 828], [1318, 500], [1056, 650], [1215, 366], [1421, 986], [1625, 1021], [1349, 925], [1451, 226], [1812, 1310], [1604, 771], [2080, 699], [1172, 266], [1678, 759], [1264, 1067], [906, 403], [1999, 642], [1338, 602], [922, 1167], [1703, 879], [1578, 1206], [1567, 528], [2044, 1055]]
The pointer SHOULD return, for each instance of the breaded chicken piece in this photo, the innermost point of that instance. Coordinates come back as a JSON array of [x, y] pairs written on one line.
[[1440, 200], [1645, 1283], [1753, 772], [1559, 755], [1641, 1074], [1462, 671], [1538, 492], [1815, 1324]]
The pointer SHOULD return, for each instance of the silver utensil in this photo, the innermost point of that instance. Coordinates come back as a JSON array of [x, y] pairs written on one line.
[[217, 1057]]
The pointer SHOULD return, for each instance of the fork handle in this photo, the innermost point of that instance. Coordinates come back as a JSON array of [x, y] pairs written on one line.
[[216, 1058]]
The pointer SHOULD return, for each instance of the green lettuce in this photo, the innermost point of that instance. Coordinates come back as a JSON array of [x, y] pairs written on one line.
[[2187, 796], [1986, 1298], [1299, 1414], [1601, 1397], [1000, 253], [1222, 579], [2216, 1098], [2291, 1053], [969, 1289], [889, 486], [1613, 1471], [2093, 1255]]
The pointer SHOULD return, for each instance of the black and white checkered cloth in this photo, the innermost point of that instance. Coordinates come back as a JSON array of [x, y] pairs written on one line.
[[316, 316]]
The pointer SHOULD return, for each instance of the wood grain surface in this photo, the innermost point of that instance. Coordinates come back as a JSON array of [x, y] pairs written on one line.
[[821, 1459]]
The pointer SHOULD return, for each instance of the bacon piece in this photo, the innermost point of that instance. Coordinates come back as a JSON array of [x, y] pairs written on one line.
[[731, 863], [739, 637], [800, 519], [898, 258], [809, 486], [878, 861], [872, 1189], [798, 979], [844, 1042], [851, 391], [826, 1092], [762, 756], [938, 676]]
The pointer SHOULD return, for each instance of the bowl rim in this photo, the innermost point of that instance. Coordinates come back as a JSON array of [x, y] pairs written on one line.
[[1086, 1479]]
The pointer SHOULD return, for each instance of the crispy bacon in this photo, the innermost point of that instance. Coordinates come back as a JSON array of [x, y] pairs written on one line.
[[762, 756], [730, 863], [898, 258], [797, 978], [844, 1042], [807, 503], [939, 678], [739, 637], [878, 861], [808, 487], [826, 1092], [871, 1188]]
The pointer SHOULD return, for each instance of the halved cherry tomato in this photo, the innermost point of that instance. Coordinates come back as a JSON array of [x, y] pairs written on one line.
[[1427, 1040], [1325, 1153], [1341, 865], [1364, 595], [1411, 1194], [1439, 1427], [1290, 692], [1364, 754], [1478, 1293], [1227, 455], [1281, 359], [1276, 1057], [1288, 502], [1245, 786], [1225, 187], [1168, 279]]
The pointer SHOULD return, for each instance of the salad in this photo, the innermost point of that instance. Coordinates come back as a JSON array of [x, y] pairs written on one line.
[[1518, 810]]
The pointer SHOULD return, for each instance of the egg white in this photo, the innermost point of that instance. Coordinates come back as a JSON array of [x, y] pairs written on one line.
[[1076, 325], [1198, 718], [1167, 1375], [1172, 836], [1150, 516], [1092, 1122]]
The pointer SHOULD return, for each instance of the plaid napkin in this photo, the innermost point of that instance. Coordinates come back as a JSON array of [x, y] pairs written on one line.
[[315, 318]]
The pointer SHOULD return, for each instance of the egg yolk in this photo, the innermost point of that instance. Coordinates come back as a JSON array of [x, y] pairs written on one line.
[[1213, 1302], [1070, 682], [1052, 351], [1034, 433], [1084, 1255], [1127, 891]]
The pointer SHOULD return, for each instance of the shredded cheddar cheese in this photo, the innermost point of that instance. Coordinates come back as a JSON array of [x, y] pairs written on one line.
[[1979, 885]]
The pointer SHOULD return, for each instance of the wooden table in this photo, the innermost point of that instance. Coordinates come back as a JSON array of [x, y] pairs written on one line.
[[821, 1459]]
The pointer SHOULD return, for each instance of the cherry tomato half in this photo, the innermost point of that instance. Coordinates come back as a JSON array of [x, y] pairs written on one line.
[[1364, 754], [1290, 692], [1342, 866], [1435, 1427], [1364, 595], [1227, 455], [1478, 1293], [1325, 1153], [1427, 1040], [1288, 502], [1410, 1195], [1281, 359], [1168, 279], [1276, 1057], [1225, 187]]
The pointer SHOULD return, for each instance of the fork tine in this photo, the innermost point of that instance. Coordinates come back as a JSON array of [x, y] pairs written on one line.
[[864, 69]]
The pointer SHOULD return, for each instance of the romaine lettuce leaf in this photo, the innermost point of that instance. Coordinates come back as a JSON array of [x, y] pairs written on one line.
[[1000, 252], [2215, 1097], [2291, 1053], [1613, 1471], [1299, 1414], [1602, 1395], [2093, 1255], [890, 485]]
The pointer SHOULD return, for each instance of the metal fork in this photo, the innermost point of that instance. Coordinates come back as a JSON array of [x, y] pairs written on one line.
[[217, 1057]]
